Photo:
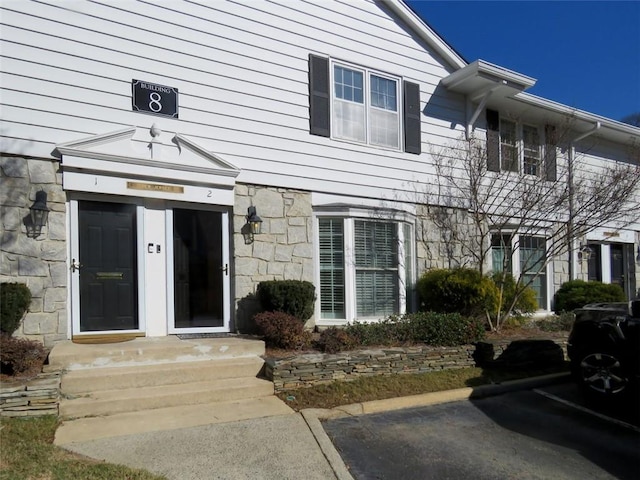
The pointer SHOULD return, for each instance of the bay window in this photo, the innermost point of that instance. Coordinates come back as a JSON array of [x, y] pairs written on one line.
[[365, 268]]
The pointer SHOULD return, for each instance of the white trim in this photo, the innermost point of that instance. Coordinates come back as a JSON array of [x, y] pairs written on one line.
[[226, 279], [349, 215], [74, 251]]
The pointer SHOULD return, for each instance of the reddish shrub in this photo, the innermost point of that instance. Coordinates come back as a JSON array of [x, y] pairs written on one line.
[[19, 356], [281, 330], [333, 340]]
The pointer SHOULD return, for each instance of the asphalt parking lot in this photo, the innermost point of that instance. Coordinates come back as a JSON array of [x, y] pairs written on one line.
[[536, 434]]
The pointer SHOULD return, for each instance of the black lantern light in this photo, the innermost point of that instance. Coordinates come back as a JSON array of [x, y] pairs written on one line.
[[38, 214], [585, 253], [254, 221]]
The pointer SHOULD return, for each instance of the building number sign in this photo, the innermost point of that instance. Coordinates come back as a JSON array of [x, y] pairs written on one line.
[[154, 99]]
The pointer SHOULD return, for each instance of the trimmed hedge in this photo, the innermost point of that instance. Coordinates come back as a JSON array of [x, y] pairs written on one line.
[[461, 290], [15, 299], [578, 293], [430, 328], [294, 297]]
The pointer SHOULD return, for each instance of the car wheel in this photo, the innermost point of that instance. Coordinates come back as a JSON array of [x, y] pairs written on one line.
[[602, 374]]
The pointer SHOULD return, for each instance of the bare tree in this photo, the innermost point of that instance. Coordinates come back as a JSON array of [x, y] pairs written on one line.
[[540, 217]]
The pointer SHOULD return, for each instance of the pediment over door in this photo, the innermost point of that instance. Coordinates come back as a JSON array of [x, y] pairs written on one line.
[[148, 155]]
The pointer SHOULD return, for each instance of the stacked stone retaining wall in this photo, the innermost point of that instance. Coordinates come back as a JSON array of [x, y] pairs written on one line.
[[312, 369], [33, 398]]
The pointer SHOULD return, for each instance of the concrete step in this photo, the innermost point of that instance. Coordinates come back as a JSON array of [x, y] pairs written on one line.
[[111, 402], [149, 351], [76, 382], [169, 418]]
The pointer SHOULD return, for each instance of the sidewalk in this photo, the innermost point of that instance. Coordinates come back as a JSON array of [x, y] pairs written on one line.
[[292, 446]]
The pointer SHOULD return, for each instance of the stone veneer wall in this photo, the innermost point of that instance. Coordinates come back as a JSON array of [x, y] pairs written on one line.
[[40, 263], [283, 251]]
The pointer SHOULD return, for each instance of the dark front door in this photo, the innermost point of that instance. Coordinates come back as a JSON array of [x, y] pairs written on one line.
[[197, 267], [617, 266], [108, 272]]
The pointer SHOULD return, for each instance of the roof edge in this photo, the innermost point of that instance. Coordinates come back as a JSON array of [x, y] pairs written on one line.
[[424, 31]]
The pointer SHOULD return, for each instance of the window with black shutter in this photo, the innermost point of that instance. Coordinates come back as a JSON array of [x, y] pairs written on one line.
[[361, 105]]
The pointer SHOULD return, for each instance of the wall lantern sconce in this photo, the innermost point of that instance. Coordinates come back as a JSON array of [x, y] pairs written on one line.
[[585, 253], [38, 214], [252, 227]]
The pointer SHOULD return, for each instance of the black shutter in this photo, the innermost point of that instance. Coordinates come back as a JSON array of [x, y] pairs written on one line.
[[412, 127], [319, 96], [493, 141], [551, 143]]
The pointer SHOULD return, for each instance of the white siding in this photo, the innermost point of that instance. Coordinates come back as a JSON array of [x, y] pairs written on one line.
[[241, 69]]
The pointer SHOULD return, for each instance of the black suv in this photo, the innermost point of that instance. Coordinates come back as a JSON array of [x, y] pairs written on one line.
[[604, 349]]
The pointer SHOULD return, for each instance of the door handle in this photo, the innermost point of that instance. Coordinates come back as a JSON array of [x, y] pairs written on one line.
[[75, 265], [225, 269]]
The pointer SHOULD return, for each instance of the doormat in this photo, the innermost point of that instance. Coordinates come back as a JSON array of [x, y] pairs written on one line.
[[99, 339]]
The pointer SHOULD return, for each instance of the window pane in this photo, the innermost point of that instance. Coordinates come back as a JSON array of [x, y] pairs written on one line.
[[531, 141], [385, 128], [376, 258], [408, 266], [348, 121], [348, 84], [508, 146], [532, 261], [383, 93], [331, 242], [501, 253]]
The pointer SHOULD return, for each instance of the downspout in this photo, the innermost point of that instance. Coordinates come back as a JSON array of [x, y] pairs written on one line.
[[571, 242]]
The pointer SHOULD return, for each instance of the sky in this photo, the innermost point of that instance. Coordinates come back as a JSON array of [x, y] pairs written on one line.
[[584, 54]]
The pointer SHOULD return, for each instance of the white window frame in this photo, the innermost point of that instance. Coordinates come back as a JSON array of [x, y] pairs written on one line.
[[368, 108], [520, 147], [350, 293], [515, 260]]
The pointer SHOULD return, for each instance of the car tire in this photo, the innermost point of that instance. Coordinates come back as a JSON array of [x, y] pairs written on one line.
[[601, 374]]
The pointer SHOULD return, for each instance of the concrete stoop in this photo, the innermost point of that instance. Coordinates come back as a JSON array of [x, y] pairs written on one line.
[[150, 384]]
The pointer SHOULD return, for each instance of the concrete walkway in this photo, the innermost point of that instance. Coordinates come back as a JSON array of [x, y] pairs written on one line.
[[268, 448], [279, 447]]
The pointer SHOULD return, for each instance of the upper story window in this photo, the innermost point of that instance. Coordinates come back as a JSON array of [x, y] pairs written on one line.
[[365, 107], [517, 147], [361, 105]]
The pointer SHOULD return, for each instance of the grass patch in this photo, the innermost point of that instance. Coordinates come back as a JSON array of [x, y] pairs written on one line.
[[28, 453], [365, 389]]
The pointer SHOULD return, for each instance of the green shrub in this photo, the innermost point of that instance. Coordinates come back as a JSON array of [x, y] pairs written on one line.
[[20, 356], [439, 329], [578, 293], [15, 299], [462, 290], [334, 339], [431, 328], [527, 301], [294, 297], [281, 330], [557, 323]]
